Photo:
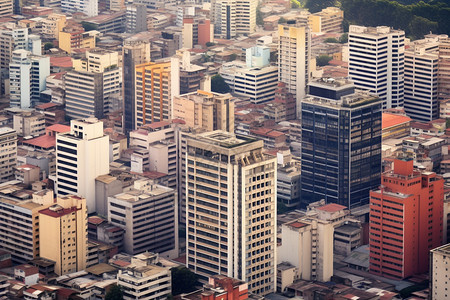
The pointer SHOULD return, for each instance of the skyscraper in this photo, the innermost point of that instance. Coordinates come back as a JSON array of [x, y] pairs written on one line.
[[223, 15], [6, 8], [156, 85], [421, 80], [376, 62], [231, 209], [8, 159], [405, 221], [341, 143], [81, 156], [294, 54], [444, 68], [135, 51]]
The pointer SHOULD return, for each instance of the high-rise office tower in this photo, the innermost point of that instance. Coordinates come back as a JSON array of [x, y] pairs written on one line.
[[246, 16], [197, 30], [88, 7], [6, 8], [8, 159], [223, 16], [81, 156], [376, 62], [135, 51], [341, 143], [156, 85], [421, 80], [205, 110], [444, 69], [63, 234], [231, 209], [27, 78], [294, 54], [92, 84], [405, 221]]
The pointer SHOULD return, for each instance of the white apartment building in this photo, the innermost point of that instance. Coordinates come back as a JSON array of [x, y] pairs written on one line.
[[231, 209], [88, 7], [257, 84], [421, 80], [294, 55], [148, 213], [376, 62], [27, 76], [439, 274], [246, 16], [136, 17], [8, 153], [223, 16], [81, 156], [307, 244]]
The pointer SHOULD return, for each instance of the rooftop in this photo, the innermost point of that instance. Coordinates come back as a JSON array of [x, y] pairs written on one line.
[[332, 207], [389, 120]]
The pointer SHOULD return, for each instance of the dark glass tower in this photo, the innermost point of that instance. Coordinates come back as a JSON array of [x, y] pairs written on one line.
[[341, 143]]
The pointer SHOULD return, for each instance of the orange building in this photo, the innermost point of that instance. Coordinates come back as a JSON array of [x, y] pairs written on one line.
[[220, 287], [405, 221]]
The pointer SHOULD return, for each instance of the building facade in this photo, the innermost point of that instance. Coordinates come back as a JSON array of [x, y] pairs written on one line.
[[294, 54], [376, 62], [63, 234], [231, 213], [156, 85], [81, 156], [341, 144], [8, 157], [439, 283], [405, 221]]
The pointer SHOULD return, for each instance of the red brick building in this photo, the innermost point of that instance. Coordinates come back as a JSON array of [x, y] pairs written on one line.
[[405, 220]]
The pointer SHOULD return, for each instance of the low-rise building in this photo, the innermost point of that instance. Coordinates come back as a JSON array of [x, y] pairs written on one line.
[[439, 275], [395, 126], [29, 123]]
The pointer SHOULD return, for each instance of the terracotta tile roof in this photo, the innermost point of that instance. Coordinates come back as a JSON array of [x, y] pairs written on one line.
[[59, 128], [61, 61], [332, 207], [297, 224], [46, 105], [389, 120], [43, 141]]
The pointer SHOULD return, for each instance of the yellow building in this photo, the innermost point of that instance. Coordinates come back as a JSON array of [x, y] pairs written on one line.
[[156, 84], [209, 111], [63, 234], [71, 38], [328, 20], [53, 25]]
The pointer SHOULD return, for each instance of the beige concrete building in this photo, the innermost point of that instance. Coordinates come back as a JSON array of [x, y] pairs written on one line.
[[294, 55], [307, 243], [8, 153], [19, 225], [53, 25], [439, 274], [148, 214], [329, 20], [205, 110], [444, 69], [28, 123], [143, 279], [63, 234], [6, 8], [231, 209]]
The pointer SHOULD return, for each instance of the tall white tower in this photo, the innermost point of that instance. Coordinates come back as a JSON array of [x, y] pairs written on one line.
[[376, 62], [81, 156]]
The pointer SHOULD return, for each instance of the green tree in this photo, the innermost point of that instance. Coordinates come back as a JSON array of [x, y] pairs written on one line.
[[295, 4], [233, 56], [330, 40], [344, 38], [183, 280], [48, 46], [219, 85], [114, 293], [419, 26], [209, 44], [317, 5], [323, 60], [273, 56]]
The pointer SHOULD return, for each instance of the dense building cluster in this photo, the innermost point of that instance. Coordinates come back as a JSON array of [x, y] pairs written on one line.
[[224, 149]]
